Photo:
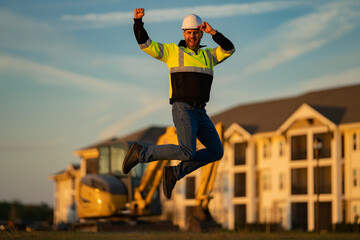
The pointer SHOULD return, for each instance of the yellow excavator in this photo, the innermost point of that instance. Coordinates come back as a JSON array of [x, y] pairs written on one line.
[[137, 194]]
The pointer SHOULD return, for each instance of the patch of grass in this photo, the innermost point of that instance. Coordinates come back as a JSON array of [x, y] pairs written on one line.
[[174, 236]]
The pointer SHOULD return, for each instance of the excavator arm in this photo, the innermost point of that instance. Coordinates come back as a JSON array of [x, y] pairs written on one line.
[[150, 181]]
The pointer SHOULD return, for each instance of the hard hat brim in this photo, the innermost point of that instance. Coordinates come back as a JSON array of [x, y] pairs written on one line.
[[190, 29]]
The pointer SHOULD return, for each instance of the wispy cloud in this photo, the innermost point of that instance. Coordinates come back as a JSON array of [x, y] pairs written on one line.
[[348, 77], [172, 14], [302, 35], [47, 74], [29, 35]]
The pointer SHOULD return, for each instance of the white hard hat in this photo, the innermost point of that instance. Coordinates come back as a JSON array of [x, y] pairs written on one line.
[[191, 21]]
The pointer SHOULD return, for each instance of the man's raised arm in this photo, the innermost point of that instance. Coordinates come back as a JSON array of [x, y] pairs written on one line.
[[139, 31], [220, 39]]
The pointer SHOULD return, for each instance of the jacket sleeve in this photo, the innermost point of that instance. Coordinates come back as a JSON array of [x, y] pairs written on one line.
[[140, 32], [226, 48], [154, 49]]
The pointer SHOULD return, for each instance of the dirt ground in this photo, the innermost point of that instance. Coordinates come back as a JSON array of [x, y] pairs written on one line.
[[173, 236]]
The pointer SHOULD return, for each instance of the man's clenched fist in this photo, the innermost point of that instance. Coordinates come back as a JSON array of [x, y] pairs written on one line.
[[139, 13]]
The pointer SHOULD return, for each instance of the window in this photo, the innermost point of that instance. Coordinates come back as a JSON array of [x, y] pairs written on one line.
[[355, 178], [257, 183], [240, 185], [92, 166], [342, 146], [240, 153], [267, 150], [355, 210], [190, 187], [325, 213], [281, 148], [325, 151], [118, 154], [111, 158], [324, 179], [266, 181], [299, 181], [342, 179], [256, 153], [280, 216], [240, 216], [299, 216], [264, 151], [298, 147], [354, 141], [104, 160], [73, 201], [266, 215], [281, 181]]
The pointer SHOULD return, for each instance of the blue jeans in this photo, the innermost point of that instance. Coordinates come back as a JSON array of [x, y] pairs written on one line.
[[190, 123]]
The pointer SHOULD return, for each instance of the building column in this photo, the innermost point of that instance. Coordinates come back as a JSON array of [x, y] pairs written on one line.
[[230, 204], [311, 215], [288, 215], [337, 178], [250, 183], [348, 174], [311, 181]]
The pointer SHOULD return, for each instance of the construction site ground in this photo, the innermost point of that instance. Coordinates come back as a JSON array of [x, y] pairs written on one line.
[[176, 235]]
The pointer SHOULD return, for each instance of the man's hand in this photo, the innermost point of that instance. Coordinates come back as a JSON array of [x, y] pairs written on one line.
[[205, 27], [139, 13]]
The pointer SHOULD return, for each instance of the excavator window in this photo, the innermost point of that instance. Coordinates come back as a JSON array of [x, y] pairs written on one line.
[[111, 159]]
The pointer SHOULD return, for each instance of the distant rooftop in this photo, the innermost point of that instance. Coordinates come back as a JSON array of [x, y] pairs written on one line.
[[148, 135], [74, 165], [339, 105]]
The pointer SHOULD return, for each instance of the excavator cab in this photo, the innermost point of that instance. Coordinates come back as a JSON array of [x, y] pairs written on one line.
[[109, 192]]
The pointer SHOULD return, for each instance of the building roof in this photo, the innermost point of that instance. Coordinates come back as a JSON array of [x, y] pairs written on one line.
[[339, 105], [75, 167], [148, 135]]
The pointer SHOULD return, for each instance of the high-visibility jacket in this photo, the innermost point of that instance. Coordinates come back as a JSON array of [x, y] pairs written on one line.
[[190, 74]]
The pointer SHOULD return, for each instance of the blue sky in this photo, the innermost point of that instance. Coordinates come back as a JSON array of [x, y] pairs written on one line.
[[71, 72]]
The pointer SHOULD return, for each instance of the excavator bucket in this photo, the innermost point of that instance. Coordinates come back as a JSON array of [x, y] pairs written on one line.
[[200, 220]]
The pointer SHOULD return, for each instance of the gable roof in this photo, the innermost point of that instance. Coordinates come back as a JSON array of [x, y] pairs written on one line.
[[339, 105]]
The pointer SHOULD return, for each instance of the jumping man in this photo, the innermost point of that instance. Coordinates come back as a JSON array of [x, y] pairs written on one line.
[[191, 75]]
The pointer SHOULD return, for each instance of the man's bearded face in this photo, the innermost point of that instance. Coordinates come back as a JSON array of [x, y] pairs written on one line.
[[193, 38]]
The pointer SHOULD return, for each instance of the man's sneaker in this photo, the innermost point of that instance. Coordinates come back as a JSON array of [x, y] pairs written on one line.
[[132, 158], [169, 181]]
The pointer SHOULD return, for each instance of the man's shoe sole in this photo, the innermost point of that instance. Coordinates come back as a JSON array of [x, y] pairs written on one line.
[[164, 183], [165, 173], [128, 155]]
